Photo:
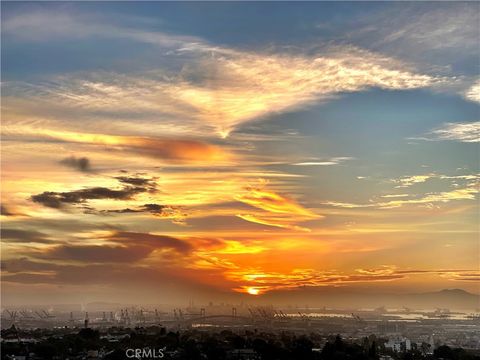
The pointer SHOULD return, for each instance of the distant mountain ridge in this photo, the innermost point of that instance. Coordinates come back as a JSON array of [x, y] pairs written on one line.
[[355, 298], [448, 298]]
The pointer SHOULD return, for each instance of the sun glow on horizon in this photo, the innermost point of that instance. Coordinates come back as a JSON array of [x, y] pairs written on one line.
[[253, 291]]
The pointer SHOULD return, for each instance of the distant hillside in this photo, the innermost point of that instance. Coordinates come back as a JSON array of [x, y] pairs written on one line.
[[345, 298], [449, 298]]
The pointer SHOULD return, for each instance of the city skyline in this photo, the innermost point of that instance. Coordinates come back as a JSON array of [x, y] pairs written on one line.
[[171, 151]]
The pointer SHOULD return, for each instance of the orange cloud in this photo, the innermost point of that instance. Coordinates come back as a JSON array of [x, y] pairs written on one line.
[[273, 202], [278, 210], [165, 149], [255, 282], [236, 247], [275, 222], [263, 282]]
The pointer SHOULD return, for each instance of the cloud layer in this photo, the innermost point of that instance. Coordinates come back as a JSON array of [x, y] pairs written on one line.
[[238, 163]]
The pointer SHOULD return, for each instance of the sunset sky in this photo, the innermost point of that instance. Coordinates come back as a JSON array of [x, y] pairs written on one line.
[[156, 152]]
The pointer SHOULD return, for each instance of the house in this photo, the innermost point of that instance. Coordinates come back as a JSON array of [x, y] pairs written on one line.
[[242, 354], [399, 344]]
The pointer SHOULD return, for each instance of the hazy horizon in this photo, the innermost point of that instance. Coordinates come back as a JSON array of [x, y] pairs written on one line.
[[452, 299]]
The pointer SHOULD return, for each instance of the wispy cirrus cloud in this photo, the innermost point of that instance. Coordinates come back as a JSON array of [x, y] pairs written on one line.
[[420, 32], [395, 196], [410, 180], [324, 162], [243, 86], [442, 40], [473, 92], [217, 87], [468, 132], [464, 132], [467, 193], [468, 190], [38, 25], [407, 181]]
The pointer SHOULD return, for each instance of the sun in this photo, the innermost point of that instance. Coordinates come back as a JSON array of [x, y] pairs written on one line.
[[253, 291]]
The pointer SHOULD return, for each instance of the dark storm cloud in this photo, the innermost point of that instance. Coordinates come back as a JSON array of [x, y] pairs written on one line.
[[152, 240], [120, 247], [27, 271], [137, 181], [131, 186], [155, 209], [4, 211], [99, 253], [26, 265], [66, 226], [23, 236], [119, 211], [57, 199], [28, 278], [81, 163]]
